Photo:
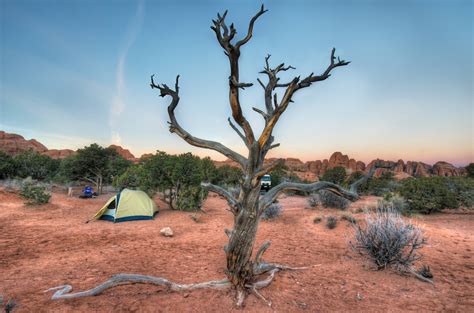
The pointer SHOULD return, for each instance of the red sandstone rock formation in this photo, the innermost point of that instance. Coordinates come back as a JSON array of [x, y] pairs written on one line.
[[125, 153], [446, 169], [59, 154], [14, 144]]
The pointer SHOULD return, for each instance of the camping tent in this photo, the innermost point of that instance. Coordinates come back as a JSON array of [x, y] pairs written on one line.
[[128, 205]]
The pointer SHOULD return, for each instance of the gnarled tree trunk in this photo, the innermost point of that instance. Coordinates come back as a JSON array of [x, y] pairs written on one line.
[[242, 272]]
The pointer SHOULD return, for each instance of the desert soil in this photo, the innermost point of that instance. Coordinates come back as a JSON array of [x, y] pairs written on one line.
[[46, 246]]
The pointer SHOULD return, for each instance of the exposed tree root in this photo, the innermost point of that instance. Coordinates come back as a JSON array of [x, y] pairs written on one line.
[[63, 292], [259, 295]]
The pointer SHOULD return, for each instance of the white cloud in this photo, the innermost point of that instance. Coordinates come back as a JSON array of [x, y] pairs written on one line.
[[118, 102]]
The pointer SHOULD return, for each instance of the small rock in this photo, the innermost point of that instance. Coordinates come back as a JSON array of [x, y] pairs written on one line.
[[167, 232]]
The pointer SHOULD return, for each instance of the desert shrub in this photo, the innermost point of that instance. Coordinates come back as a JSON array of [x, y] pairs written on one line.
[[35, 165], [279, 174], [355, 176], [7, 166], [34, 193], [334, 175], [331, 200], [470, 170], [317, 219], [12, 184], [273, 211], [388, 240], [228, 175], [463, 190], [395, 202], [348, 217], [331, 222], [314, 200], [190, 198], [379, 186], [133, 178], [430, 194]]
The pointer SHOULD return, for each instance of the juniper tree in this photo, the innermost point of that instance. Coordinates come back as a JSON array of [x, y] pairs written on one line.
[[244, 272]]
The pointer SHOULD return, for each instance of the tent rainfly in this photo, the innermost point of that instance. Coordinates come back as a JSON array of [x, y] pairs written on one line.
[[127, 205]]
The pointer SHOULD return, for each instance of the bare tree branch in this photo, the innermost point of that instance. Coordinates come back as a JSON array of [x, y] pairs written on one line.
[[306, 82], [274, 146], [63, 292], [233, 203], [350, 194], [271, 195], [265, 115], [269, 167], [237, 131], [250, 31], [378, 164], [176, 128], [293, 86], [224, 37]]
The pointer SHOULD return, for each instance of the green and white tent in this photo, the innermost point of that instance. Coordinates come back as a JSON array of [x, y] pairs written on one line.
[[128, 205]]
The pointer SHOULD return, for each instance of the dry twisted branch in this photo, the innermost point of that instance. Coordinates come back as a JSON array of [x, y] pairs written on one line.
[[63, 292], [175, 127]]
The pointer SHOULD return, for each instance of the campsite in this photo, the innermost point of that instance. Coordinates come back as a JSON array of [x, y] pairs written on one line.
[[222, 156], [52, 245]]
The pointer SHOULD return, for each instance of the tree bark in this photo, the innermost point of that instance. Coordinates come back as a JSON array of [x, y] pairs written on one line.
[[242, 239]]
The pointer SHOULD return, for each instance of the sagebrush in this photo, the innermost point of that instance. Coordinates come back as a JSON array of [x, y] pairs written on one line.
[[331, 200], [273, 211], [331, 222], [314, 200], [388, 240]]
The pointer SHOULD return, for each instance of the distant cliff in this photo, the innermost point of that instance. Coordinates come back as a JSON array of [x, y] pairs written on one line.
[[14, 144]]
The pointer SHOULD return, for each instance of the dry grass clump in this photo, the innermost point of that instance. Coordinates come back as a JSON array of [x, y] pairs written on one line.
[[331, 222], [348, 217], [273, 211], [388, 240]]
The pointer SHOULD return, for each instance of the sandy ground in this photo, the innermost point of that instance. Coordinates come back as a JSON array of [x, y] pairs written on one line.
[[47, 246]]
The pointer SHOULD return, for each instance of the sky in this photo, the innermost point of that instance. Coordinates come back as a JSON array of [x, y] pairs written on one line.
[[76, 72]]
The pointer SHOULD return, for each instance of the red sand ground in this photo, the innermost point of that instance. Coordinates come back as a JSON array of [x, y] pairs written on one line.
[[46, 246]]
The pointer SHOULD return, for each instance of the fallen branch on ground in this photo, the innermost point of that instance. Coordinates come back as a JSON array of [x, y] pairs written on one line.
[[64, 291]]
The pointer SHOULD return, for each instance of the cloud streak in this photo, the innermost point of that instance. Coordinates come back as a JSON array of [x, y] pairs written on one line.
[[118, 102]]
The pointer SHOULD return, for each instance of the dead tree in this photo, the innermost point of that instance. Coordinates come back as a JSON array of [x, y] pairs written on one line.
[[243, 272]]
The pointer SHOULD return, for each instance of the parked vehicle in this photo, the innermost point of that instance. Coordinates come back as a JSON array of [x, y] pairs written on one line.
[[266, 182]]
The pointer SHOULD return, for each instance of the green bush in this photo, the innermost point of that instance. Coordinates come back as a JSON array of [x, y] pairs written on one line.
[[35, 194], [463, 189], [7, 166], [190, 198], [379, 186], [355, 176], [134, 177], [394, 202], [335, 175], [228, 175], [429, 194], [470, 170], [34, 165]]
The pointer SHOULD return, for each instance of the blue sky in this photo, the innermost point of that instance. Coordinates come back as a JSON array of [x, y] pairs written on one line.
[[75, 72]]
